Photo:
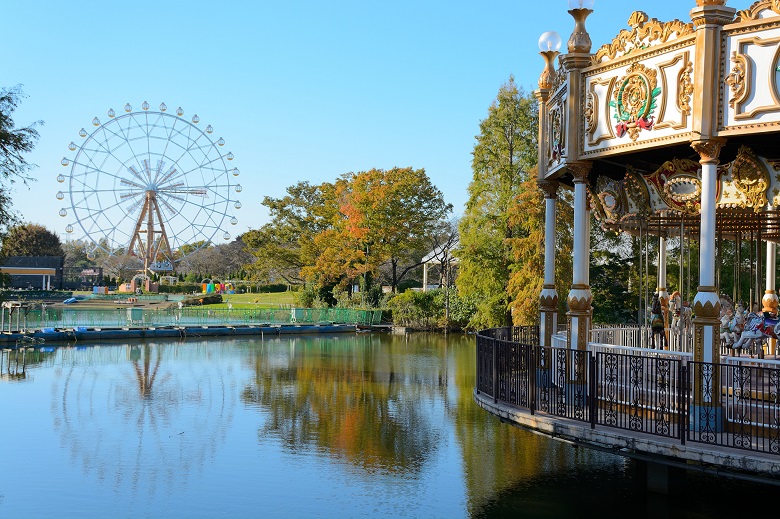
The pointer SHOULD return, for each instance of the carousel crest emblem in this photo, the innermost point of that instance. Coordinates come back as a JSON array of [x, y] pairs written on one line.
[[635, 101]]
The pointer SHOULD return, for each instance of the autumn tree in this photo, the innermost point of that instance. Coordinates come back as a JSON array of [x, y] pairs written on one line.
[[386, 217], [503, 156], [285, 245], [30, 239], [527, 215]]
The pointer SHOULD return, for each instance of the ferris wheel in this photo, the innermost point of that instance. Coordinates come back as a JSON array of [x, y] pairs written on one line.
[[150, 184]]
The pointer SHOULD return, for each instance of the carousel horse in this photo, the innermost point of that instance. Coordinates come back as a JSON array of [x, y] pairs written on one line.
[[727, 339], [657, 324], [758, 328], [675, 307], [732, 323]]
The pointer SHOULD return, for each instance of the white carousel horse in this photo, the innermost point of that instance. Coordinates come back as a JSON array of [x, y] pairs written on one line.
[[675, 306], [731, 326], [726, 337], [758, 327]]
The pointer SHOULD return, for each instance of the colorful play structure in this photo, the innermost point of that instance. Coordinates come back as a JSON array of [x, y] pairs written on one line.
[[215, 287]]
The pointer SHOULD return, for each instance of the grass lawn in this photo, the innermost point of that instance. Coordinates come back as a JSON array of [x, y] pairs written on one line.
[[256, 300], [273, 300]]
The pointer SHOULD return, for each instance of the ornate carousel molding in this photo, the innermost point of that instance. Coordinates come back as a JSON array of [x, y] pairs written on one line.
[[644, 32], [755, 11]]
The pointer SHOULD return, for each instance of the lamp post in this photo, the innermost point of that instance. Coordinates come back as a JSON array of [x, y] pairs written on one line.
[[549, 45]]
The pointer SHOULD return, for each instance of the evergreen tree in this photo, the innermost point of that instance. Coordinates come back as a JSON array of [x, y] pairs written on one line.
[[31, 239], [505, 152]]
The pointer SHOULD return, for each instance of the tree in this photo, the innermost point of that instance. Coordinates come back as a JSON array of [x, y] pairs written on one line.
[[30, 239], [385, 217], [285, 245], [527, 215], [505, 151], [14, 143]]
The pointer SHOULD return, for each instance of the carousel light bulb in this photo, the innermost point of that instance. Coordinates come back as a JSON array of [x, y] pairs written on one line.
[[72, 146], [581, 4], [128, 108], [550, 41], [145, 106], [195, 119], [163, 107], [82, 133]]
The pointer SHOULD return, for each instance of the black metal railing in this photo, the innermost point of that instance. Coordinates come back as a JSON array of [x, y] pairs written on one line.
[[733, 405]]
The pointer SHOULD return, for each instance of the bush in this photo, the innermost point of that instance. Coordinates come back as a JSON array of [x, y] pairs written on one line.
[[415, 309], [428, 310]]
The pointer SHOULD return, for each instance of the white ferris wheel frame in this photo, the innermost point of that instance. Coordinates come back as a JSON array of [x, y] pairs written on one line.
[[150, 184]]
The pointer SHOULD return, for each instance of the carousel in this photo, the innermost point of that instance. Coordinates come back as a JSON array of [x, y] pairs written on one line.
[[670, 133]]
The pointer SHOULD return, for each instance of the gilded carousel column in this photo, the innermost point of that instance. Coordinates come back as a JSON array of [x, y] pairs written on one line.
[[707, 414], [580, 297], [708, 19], [549, 297], [706, 304]]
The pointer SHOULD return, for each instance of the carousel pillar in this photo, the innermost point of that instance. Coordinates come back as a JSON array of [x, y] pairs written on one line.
[[706, 304], [708, 19], [549, 297], [663, 295], [580, 297], [770, 299], [707, 414]]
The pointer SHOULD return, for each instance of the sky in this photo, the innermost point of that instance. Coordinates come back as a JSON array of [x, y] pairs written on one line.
[[299, 90]]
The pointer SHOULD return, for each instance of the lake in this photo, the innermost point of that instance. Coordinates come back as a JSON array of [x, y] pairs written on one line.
[[334, 426]]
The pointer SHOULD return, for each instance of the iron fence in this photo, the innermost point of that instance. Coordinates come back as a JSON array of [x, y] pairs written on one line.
[[734, 404]]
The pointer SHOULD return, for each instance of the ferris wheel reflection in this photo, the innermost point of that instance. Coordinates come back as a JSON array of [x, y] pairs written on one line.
[[148, 413]]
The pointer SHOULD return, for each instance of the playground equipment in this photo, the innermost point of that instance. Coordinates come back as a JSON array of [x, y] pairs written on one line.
[[147, 183]]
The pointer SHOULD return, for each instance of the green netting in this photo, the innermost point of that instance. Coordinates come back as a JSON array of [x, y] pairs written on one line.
[[187, 316]]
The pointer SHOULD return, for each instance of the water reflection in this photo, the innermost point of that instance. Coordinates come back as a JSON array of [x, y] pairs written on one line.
[[141, 415], [335, 426]]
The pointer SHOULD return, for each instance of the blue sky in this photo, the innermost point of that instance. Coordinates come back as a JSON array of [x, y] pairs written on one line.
[[299, 90]]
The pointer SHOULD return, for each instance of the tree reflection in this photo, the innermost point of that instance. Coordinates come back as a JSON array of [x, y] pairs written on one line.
[[345, 397]]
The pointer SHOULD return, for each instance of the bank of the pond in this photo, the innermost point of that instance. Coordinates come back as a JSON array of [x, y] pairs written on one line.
[[83, 333]]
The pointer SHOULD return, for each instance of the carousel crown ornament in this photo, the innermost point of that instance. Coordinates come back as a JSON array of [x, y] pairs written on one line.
[[579, 41]]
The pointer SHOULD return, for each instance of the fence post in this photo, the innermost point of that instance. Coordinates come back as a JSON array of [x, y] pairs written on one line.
[[683, 399], [531, 357], [495, 371]]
